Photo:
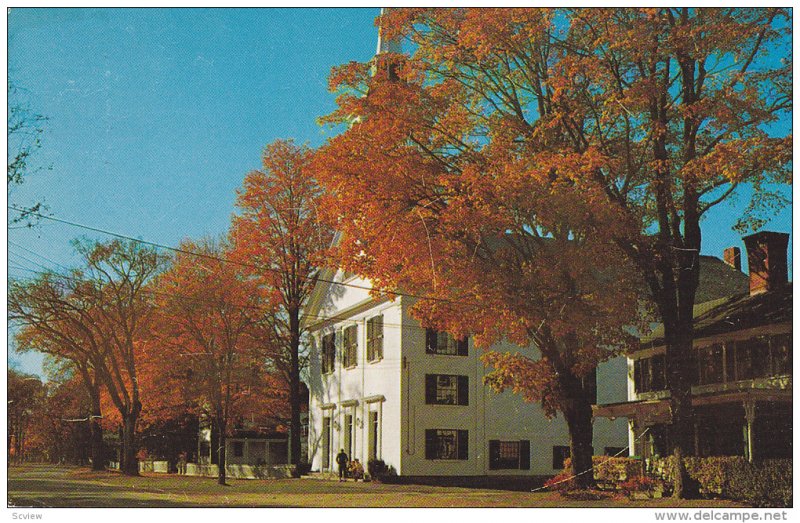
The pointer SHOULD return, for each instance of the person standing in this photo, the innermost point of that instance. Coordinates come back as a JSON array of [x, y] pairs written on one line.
[[341, 461]]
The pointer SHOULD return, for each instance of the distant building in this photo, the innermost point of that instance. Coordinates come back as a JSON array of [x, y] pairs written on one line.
[[256, 443], [742, 393]]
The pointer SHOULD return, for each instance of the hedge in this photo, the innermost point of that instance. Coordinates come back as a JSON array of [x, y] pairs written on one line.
[[766, 483], [614, 471]]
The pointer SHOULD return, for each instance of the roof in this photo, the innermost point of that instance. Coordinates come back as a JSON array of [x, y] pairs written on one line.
[[735, 313], [719, 280]]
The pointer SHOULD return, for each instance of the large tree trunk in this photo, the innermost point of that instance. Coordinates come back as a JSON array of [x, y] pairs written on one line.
[[577, 410], [577, 396], [680, 370], [678, 318], [294, 389], [130, 465], [96, 441], [96, 434]]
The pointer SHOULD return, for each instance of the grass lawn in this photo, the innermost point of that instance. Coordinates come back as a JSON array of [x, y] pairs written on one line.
[[41, 486]]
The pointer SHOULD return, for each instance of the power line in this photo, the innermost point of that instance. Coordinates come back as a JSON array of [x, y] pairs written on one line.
[[225, 260], [45, 258], [50, 272]]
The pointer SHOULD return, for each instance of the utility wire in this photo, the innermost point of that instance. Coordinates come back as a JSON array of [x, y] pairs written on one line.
[[49, 272], [225, 260]]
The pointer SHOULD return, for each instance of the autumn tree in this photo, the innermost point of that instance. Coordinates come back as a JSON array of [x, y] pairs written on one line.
[[55, 317], [119, 273], [98, 317], [435, 196], [278, 232], [685, 107], [61, 431], [634, 122], [211, 339], [26, 394]]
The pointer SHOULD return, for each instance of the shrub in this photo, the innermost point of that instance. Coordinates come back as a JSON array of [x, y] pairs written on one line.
[[379, 471], [637, 484], [614, 471], [561, 482], [766, 483], [376, 467]]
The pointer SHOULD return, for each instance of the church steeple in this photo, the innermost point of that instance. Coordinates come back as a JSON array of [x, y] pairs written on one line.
[[384, 45]]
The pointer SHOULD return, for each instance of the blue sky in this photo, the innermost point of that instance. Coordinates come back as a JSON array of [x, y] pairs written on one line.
[[155, 116]]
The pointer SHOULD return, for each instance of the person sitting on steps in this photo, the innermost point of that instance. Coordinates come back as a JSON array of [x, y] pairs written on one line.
[[356, 470]]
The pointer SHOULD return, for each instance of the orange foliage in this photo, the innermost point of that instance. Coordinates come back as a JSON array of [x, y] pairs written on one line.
[[438, 193], [538, 167], [211, 351]]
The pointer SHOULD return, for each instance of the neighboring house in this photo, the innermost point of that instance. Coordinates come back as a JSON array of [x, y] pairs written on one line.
[[247, 447], [254, 444], [382, 387], [742, 393], [257, 448]]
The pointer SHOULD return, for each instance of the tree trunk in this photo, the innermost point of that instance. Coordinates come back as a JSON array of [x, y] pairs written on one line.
[[294, 390], [130, 465], [679, 367], [96, 441], [577, 410], [96, 435], [220, 450]]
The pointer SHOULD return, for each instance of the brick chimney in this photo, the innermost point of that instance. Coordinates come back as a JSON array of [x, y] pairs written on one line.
[[766, 257], [733, 257]]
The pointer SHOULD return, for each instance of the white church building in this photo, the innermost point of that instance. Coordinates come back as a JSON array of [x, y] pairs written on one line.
[[383, 387]]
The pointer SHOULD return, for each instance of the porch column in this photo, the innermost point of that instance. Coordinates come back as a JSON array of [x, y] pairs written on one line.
[[266, 452], [379, 439], [750, 417], [246, 452]]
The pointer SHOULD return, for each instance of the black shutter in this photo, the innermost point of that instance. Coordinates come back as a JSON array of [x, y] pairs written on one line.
[[524, 454], [463, 444], [494, 453], [430, 389], [463, 347], [430, 444], [370, 341], [463, 390], [430, 341]]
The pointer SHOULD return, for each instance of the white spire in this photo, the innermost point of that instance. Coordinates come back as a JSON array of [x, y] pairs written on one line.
[[386, 46]]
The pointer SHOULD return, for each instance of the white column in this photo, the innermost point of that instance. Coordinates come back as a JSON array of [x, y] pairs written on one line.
[[750, 417]]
